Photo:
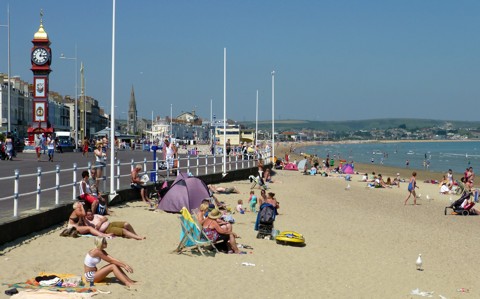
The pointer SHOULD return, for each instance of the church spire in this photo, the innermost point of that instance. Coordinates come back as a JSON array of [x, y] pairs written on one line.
[[132, 114], [132, 106]]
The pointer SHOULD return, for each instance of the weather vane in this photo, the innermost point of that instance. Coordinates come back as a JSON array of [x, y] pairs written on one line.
[[41, 15]]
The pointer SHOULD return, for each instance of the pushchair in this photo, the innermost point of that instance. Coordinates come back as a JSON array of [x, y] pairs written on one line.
[[265, 220], [457, 208]]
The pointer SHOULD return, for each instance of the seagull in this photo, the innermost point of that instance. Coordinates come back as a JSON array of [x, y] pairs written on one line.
[[348, 187], [419, 262]]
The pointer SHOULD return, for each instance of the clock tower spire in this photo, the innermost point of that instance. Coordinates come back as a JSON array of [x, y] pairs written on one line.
[[41, 59]]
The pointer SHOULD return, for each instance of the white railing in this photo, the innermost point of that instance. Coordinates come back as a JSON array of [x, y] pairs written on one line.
[[193, 165]]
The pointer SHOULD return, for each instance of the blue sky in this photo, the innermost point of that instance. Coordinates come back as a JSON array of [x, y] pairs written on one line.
[[334, 60]]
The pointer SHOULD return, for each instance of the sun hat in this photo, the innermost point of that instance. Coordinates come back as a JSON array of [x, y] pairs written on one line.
[[214, 214]]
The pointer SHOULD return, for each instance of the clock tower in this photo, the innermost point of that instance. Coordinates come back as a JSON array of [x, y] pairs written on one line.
[[41, 58]]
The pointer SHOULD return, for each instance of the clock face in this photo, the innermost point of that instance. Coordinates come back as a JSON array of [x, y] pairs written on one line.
[[40, 56]]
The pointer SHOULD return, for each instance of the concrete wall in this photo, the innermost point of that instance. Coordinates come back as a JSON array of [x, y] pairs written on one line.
[[57, 215]]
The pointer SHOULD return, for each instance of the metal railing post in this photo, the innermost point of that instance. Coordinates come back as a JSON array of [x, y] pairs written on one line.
[[74, 191], [15, 193], [39, 187], [214, 163], [236, 162], [145, 165], [118, 174], [198, 164], [188, 164], [132, 164], [156, 169], [105, 176], [57, 184], [206, 164]]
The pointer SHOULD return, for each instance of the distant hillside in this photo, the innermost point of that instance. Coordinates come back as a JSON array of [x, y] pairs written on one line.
[[354, 125]]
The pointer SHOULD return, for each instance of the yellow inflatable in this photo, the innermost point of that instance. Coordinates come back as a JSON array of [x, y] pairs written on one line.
[[290, 238]]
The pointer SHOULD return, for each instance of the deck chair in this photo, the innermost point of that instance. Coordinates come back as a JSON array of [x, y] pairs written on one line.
[[255, 180], [192, 235]]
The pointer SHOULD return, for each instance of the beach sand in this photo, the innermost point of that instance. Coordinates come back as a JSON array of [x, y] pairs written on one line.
[[361, 243]]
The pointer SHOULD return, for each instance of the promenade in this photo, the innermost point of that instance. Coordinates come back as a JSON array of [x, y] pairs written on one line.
[[27, 164]]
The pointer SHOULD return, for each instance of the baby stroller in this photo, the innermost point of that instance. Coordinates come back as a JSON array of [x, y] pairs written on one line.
[[457, 208], [265, 220]]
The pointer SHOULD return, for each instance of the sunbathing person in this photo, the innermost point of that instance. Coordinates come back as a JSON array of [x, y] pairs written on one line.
[[77, 220], [118, 228], [95, 256], [216, 233], [223, 190]]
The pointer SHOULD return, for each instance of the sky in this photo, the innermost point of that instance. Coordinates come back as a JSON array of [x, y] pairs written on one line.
[[333, 60]]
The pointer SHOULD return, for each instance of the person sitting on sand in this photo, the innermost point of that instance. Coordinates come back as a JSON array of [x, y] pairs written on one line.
[[77, 220], [380, 183], [95, 256], [223, 190], [216, 233], [267, 177], [118, 228], [364, 178]]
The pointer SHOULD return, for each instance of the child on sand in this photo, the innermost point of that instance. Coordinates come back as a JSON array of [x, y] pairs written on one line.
[[240, 207], [411, 188], [252, 202]]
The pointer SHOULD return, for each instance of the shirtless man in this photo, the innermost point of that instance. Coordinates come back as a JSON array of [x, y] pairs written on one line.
[[118, 228]]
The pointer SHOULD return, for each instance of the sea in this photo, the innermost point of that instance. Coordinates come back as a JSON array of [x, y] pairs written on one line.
[[432, 156]]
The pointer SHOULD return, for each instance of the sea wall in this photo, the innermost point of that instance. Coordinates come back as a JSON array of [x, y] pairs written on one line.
[[31, 224]]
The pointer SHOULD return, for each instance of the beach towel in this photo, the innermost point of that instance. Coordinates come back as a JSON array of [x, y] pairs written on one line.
[[46, 294]]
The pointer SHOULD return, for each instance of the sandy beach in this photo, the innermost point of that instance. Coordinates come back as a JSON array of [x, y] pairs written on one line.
[[361, 243]]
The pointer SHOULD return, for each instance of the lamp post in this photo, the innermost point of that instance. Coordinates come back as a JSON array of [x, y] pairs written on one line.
[[75, 129], [8, 69], [256, 121], [273, 116], [112, 107]]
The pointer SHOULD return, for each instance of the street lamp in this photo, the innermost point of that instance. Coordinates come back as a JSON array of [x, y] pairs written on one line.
[[273, 116], [8, 68], [75, 129]]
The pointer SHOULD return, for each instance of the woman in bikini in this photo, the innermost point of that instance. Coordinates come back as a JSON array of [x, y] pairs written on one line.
[[216, 233], [77, 220], [95, 256]]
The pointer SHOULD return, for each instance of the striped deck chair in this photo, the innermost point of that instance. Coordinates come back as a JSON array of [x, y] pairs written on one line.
[[191, 235]]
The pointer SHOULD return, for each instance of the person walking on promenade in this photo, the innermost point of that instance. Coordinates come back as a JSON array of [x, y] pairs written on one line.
[[50, 147], [411, 188], [170, 153], [85, 146], [99, 161], [38, 146]]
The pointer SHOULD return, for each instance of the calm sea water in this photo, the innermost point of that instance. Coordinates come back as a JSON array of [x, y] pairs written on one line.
[[440, 155]]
